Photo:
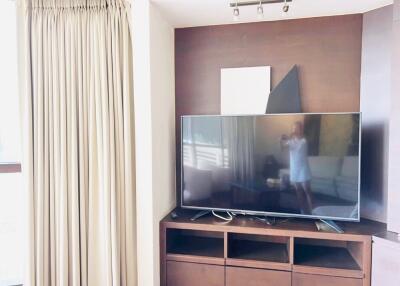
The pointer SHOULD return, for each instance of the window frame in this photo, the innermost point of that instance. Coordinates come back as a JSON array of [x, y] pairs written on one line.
[[10, 168]]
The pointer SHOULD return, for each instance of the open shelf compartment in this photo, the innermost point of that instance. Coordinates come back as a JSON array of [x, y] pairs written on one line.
[[345, 255], [259, 248], [195, 243]]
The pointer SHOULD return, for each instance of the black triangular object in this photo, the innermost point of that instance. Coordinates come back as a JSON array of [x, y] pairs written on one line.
[[285, 98]]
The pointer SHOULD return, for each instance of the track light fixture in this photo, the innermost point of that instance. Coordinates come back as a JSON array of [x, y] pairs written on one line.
[[260, 9], [236, 12]]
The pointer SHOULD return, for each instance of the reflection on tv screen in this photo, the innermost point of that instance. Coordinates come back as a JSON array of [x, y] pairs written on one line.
[[291, 164]]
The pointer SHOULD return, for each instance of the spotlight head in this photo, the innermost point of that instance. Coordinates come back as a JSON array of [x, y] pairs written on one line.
[[285, 8], [260, 12], [236, 14]]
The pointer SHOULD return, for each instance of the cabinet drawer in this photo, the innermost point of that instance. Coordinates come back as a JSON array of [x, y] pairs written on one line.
[[300, 279], [238, 276], [193, 274]]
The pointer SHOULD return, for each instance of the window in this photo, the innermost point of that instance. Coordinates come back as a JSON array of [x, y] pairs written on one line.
[[204, 144], [11, 208]]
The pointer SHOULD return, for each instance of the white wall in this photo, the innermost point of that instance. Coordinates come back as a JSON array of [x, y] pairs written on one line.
[[394, 142], [385, 260], [155, 132], [380, 99], [162, 65], [380, 104], [375, 105], [143, 142]]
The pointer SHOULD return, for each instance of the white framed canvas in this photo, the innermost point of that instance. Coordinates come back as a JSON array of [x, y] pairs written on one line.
[[245, 90]]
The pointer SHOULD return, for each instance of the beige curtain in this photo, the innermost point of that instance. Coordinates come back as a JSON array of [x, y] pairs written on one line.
[[77, 106]]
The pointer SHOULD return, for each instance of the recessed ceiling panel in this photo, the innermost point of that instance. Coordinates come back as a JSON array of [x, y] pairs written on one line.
[[190, 13]]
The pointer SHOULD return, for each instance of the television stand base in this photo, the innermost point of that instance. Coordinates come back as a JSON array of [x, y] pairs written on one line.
[[199, 215], [266, 219], [331, 224]]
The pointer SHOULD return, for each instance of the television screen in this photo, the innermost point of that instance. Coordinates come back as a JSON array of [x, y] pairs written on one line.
[[304, 165]]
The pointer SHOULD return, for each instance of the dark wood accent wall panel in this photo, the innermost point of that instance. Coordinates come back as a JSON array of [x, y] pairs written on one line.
[[327, 51]]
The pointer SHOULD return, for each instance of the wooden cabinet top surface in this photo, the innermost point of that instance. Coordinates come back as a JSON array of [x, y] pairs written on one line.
[[293, 227]]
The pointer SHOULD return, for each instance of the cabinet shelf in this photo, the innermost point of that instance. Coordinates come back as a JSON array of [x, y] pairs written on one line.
[[195, 244], [324, 256], [330, 254], [246, 248]]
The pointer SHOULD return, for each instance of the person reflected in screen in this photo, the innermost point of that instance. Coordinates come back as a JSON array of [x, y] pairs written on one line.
[[300, 173]]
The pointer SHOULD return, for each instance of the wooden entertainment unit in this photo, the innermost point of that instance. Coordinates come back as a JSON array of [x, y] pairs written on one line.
[[249, 252]]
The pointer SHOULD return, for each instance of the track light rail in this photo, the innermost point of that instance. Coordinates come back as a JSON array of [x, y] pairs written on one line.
[[251, 3]]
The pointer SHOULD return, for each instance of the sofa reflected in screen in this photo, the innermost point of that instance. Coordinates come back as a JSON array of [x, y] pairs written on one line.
[[335, 179]]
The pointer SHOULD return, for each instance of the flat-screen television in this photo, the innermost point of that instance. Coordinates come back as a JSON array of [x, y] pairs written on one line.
[[283, 165]]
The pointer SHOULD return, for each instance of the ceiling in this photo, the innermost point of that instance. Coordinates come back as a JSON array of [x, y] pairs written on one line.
[[190, 13]]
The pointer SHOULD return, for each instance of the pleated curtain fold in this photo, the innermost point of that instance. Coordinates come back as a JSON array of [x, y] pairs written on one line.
[[78, 154]]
